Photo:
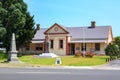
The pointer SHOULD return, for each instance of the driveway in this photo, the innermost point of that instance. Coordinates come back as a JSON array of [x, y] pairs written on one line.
[[114, 63]]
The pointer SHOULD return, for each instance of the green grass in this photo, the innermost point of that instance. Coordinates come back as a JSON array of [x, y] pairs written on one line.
[[66, 60]]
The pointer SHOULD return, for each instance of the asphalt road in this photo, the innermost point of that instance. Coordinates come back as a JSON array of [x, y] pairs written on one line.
[[58, 74]]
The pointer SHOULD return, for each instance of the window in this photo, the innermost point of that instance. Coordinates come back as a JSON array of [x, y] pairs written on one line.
[[39, 48], [83, 46], [60, 43], [51, 44], [97, 46]]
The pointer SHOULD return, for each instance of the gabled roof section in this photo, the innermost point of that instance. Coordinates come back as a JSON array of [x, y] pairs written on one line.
[[40, 34], [57, 29], [99, 33], [89, 33]]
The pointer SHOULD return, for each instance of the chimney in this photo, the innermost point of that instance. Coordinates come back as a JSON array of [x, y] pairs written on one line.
[[38, 26], [93, 24]]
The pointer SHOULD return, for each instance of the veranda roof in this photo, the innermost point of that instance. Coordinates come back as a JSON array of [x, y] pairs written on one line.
[[87, 41]]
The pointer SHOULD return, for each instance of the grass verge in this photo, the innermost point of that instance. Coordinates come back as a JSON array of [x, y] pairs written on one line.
[[66, 60]]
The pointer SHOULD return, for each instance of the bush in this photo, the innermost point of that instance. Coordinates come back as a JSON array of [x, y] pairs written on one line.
[[3, 55], [112, 50], [78, 54], [19, 54], [89, 54]]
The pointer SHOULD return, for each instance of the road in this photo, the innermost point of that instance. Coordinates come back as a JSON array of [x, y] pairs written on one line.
[[58, 74]]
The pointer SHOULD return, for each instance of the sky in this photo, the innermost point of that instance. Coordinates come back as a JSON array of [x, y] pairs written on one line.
[[76, 13]]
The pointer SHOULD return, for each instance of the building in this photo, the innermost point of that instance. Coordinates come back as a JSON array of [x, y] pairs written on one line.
[[70, 40]]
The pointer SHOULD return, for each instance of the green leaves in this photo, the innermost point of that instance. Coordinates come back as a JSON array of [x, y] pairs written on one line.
[[112, 50], [14, 17], [2, 32], [117, 40]]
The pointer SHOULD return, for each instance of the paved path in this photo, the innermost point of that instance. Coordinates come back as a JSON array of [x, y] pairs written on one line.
[[114, 63]]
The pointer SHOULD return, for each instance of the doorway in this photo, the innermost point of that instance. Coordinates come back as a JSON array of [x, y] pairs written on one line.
[[72, 49]]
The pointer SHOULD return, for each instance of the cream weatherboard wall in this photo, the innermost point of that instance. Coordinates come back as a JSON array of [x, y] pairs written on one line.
[[89, 47], [110, 36]]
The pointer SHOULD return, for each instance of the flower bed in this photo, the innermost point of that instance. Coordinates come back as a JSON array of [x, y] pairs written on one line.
[[87, 54]]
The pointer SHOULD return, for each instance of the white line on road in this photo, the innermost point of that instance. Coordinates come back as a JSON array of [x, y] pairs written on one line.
[[44, 72]]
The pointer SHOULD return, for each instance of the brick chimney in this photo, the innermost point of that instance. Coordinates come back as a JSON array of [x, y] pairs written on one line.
[[38, 26], [93, 24]]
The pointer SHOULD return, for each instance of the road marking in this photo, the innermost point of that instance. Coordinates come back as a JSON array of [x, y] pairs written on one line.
[[44, 72]]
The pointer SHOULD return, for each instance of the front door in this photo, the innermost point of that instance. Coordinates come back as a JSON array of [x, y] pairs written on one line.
[[72, 49]]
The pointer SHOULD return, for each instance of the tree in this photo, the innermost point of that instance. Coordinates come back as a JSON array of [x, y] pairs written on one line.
[[117, 42], [112, 50], [16, 19], [2, 32], [2, 29]]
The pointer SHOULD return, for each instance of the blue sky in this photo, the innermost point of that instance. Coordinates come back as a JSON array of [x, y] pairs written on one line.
[[75, 13]]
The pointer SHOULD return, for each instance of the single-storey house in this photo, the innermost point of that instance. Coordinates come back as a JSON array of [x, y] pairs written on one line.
[[70, 40]]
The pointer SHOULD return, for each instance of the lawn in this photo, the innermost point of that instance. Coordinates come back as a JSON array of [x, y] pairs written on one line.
[[66, 60]]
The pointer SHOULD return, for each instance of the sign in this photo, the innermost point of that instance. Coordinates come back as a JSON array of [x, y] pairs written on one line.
[[58, 60]]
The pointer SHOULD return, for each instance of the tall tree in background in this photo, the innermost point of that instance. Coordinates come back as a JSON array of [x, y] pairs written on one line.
[[117, 42], [2, 14], [16, 19]]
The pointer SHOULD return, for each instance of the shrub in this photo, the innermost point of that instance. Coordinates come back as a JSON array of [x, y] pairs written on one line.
[[112, 50], [3, 55], [78, 54], [19, 54], [89, 54]]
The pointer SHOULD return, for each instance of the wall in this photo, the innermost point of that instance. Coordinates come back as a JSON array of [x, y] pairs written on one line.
[[91, 47], [56, 48], [110, 36], [33, 48]]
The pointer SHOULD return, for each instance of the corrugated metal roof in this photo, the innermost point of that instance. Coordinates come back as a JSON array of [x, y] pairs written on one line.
[[80, 32], [86, 32], [40, 34], [87, 41]]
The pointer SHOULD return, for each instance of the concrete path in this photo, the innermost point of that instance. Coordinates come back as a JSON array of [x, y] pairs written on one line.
[[114, 63]]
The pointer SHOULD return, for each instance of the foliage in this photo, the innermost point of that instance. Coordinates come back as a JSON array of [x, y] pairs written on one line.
[[19, 54], [89, 54], [2, 32], [112, 50], [3, 55], [117, 42], [78, 54], [15, 18]]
